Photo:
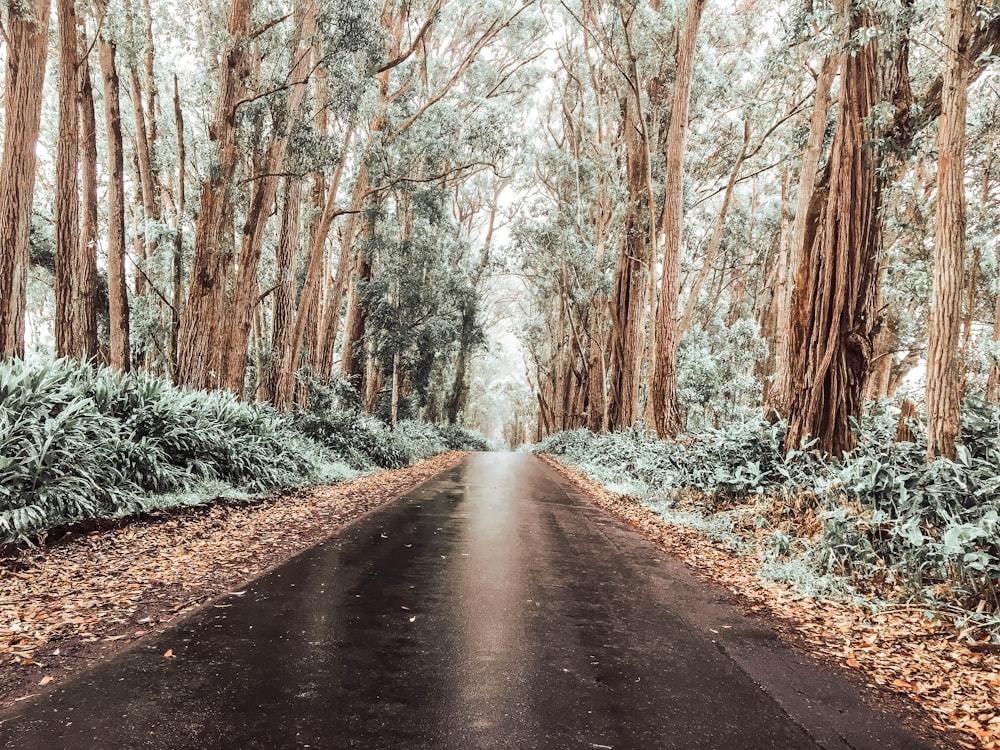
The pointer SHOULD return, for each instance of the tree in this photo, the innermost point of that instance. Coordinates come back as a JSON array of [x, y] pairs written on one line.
[[944, 367], [663, 391], [198, 347], [120, 356], [76, 325], [834, 318], [27, 34]]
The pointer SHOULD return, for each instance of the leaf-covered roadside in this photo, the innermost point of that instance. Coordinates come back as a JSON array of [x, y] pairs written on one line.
[[64, 607], [898, 649]]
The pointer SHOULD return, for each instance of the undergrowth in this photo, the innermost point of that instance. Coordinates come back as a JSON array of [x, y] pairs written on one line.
[[80, 443], [879, 522]]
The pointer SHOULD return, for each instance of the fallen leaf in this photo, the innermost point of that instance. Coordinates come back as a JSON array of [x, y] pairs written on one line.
[[46, 680]]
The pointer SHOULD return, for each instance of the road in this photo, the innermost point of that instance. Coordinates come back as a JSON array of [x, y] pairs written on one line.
[[493, 607]]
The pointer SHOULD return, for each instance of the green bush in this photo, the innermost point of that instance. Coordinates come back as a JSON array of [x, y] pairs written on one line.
[[82, 442], [885, 512]]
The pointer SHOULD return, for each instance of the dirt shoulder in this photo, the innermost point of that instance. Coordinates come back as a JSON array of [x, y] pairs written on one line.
[[90, 595], [911, 665]]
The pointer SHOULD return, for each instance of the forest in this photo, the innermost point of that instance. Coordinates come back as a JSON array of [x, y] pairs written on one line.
[[521, 217], [731, 257]]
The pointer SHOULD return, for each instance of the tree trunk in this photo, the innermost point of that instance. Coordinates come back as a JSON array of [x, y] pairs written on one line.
[[69, 313], [834, 316], [308, 301], [244, 293], [993, 383], [203, 314], [776, 396], [944, 366], [352, 357], [283, 311], [27, 39], [631, 285], [666, 414], [394, 406], [121, 357], [89, 229], [177, 297]]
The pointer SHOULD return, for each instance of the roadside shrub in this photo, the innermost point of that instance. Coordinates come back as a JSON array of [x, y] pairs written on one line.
[[78, 442], [83, 442], [458, 438], [362, 441], [885, 515]]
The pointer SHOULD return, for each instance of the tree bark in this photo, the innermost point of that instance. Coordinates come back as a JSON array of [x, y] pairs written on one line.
[[833, 314], [200, 339], [87, 253], [70, 320], [283, 309], [177, 295], [243, 298], [944, 370], [666, 413], [308, 302], [148, 188], [27, 34], [629, 301], [121, 357], [777, 395]]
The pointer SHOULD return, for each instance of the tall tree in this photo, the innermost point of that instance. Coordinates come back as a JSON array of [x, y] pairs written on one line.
[[27, 38], [71, 307], [87, 254], [118, 306], [234, 338], [204, 313], [944, 370], [834, 315], [663, 392]]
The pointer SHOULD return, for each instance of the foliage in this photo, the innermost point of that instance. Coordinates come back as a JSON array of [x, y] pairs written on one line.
[[885, 516], [83, 442]]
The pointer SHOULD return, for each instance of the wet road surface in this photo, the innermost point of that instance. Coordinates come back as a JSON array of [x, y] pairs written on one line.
[[490, 608]]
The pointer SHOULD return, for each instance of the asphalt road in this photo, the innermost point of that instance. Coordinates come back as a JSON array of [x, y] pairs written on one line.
[[490, 608]]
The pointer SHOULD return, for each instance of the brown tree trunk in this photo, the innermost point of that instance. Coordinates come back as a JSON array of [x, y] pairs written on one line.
[[148, 189], [177, 296], [777, 394], [283, 311], [775, 309], [908, 415], [352, 357], [88, 207], [944, 366], [631, 285], [833, 314], [27, 39], [993, 383], [244, 293], [69, 314], [308, 301], [121, 358], [666, 414], [200, 338]]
